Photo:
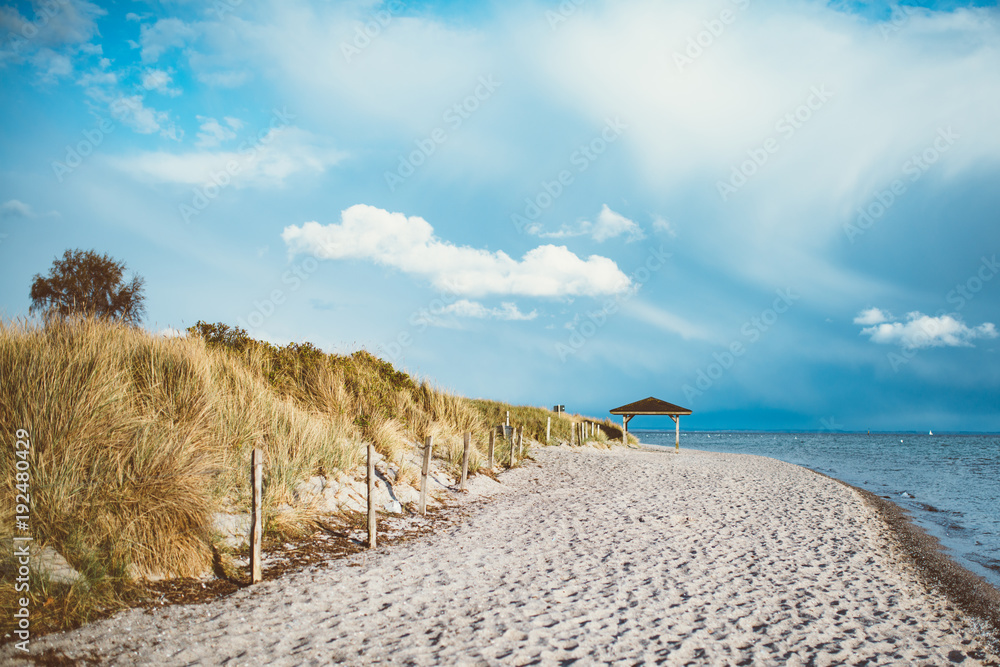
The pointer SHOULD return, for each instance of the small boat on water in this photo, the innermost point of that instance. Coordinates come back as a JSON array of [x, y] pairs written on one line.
[[930, 432]]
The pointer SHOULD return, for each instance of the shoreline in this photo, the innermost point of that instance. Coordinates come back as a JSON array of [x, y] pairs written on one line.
[[935, 569], [927, 556], [590, 555]]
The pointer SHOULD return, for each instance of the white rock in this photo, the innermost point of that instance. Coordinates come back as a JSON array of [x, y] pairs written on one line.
[[49, 562], [234, 529], [393, 506], [314, 486]]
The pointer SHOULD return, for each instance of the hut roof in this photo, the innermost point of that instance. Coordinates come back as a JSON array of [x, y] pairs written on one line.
[[651, 406]]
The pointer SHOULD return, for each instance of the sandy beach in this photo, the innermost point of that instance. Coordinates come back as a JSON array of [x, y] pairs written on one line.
[[594, 556]]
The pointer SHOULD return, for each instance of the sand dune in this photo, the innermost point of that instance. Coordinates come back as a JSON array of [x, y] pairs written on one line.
[[595, 556]]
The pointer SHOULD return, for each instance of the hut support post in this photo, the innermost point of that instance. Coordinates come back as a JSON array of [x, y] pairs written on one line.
[[625, 420], [677, 432]]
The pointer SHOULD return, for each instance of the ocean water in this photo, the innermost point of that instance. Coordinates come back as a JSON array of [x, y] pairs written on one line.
[[949, 483]]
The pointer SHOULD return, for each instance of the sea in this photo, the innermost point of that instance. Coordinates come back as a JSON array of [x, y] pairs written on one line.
[[950, 483]]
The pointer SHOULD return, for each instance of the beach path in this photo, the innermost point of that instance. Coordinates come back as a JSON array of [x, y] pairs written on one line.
[[593, 556]]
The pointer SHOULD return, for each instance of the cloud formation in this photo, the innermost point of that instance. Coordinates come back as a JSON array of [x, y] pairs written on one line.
[[921, 331], [164, 35], [12, 208], [474, 309], [409, 245], [159, 80], [872, 316], [282, 153], [51, 37], [609, 225], [213, 133]]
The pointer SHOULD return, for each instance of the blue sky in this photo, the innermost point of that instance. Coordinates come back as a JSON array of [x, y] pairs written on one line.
[[780, 215]]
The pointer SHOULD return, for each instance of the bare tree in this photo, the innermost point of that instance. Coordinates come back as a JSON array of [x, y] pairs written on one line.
[[88, 284]]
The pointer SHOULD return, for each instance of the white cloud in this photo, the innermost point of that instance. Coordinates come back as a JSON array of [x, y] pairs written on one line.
[[12, 208], [133, 112], [609, 225], [409, 245], [165, 34], [506, 311], [224, 78], [665, 320], [663, 226], [212, 132], [51, 36], [97, 77], [52, 65], [159, 80], [170, 332], [282, 153], [102, 85], [920, 331], [872, 316]]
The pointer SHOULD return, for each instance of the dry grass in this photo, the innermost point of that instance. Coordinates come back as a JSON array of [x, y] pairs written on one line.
[[137, 440]]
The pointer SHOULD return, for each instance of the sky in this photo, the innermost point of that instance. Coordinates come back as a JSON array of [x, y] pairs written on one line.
[[780, 215]]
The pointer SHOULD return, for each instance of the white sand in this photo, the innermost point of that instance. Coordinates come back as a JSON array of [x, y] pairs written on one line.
[[596, 556]]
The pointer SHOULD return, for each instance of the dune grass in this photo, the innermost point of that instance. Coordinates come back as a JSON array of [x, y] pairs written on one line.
[[138, 439]]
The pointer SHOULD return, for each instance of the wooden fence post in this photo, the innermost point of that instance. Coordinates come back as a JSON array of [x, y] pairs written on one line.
[[493, 437], [372, 528], [511, 441], [520, 442], [465, 459], [424, 472], [256, 518], [548, 430]]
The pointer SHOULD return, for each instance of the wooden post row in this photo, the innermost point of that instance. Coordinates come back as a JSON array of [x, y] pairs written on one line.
[[465, 460], [256, 517], [425, 470]]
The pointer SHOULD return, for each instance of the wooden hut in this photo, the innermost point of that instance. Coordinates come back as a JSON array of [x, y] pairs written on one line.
[[651, 406]]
